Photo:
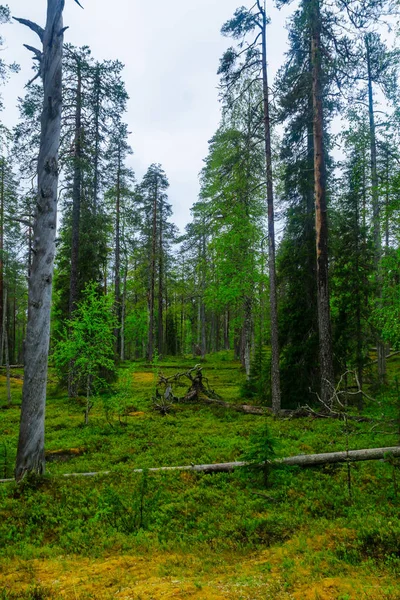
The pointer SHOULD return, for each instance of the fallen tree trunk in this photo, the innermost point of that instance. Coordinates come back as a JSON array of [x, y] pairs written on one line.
[[245, 408], [301, 460]]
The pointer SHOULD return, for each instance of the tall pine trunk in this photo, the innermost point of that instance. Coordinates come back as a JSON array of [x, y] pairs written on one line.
[[150, 344], [275, 371], [30, 455], [321, 217], [160, 319], [97, 82]]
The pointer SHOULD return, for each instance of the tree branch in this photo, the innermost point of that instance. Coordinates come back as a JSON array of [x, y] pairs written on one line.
[[34, 26]]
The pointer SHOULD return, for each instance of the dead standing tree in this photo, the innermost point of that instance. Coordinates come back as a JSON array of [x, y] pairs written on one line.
[[30, 456]]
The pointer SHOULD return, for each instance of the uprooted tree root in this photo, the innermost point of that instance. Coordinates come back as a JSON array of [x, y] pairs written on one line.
[[199, 391]]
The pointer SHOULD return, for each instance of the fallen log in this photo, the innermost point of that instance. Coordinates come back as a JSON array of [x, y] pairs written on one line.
[[245, 408], [301, 460]]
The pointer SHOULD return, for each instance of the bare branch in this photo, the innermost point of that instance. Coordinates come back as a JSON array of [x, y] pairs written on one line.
[[38, 54], [34, 26]]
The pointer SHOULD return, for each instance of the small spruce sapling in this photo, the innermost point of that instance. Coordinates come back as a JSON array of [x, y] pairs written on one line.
[[88, 344], [260, 454]]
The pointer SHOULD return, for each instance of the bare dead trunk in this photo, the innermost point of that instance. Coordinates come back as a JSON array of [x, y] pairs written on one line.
[[30, 455], [302, 460], [321, 217], [275, 371]]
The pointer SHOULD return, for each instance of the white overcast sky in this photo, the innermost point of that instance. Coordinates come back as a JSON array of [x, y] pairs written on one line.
[[171, 51]]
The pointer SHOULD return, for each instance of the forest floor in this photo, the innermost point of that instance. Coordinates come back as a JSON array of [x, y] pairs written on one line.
[[126, 535]]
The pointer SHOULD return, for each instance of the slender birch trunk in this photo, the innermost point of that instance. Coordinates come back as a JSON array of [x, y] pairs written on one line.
[[30, 455]]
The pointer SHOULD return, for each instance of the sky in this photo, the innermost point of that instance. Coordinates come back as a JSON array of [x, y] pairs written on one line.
[[171, 51]]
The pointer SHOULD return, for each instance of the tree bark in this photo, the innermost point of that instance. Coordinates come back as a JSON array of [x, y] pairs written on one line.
[[321, 217], [30, 455], [275, 371]]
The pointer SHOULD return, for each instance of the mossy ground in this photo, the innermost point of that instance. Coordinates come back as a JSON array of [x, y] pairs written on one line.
[[182, 535]]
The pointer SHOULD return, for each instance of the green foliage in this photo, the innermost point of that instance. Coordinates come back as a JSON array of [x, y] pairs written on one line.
[[119, 401], [86, 350], [387, 309], [260, 453], [257, 386]]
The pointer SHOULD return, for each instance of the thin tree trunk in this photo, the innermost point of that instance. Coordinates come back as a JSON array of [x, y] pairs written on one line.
[[7, 360], [76, 197], [321, 217], [123, 312], [203, 336], [30, 455], [381, 349], [275, 371], [117, 280], [76, 217], [247, 336], [226, 330]]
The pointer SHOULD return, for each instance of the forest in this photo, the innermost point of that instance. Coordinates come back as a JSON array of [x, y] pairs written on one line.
[[209, 412]]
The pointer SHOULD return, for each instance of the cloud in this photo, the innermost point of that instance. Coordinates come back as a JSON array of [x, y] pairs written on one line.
[[171, 52]]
